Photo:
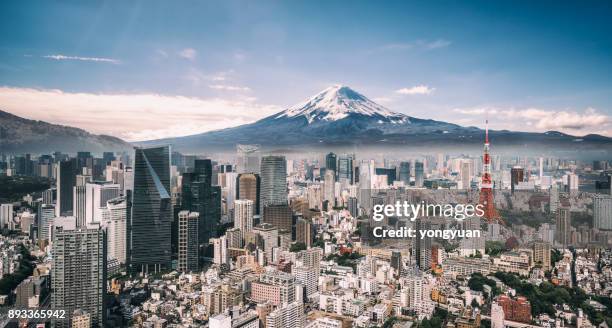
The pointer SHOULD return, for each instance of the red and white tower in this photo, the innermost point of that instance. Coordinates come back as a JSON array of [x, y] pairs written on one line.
[[486, 185]]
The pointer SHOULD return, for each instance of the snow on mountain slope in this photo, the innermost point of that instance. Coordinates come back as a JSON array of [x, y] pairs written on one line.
[[338, 102]]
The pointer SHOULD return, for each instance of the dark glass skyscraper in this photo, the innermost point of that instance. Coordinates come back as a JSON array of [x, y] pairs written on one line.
[[330, 162], [345, 169], [273, 180], [66, 180], [150, 226], [404, 173], [419, 174], [199, 195]]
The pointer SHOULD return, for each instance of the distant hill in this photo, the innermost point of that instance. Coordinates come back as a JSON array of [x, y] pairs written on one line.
[[20, 135]]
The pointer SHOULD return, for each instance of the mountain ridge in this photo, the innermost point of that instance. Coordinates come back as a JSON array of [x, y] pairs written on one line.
[[340, 116], [22, 135]]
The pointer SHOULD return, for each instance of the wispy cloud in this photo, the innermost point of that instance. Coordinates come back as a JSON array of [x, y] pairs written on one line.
[[416, 90], [188, 53], [80, 58], [418, 44], [543, 120], [144, 116], [224, 87]]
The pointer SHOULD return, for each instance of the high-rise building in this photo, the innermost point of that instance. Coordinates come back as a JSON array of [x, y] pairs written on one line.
[[188, 241], [308, 277], [423, 245], [290, 315], [280, 216], [330, 188], [220, 250], [602, 212], [303, 232], [562, 236], [541, 254], [46, 212], [150, 226], [49, 196], [248, 186], [404, 173], [248, 158], [517, 174], [6, 214], [79, 272], [66, 180], [273, 180], [243, 216], [331, 162], [114, 219], [353, 206], [274, 286], [419, 174], [345, 169], [96, 195], [269, 235], [199, 195], [80, 199]]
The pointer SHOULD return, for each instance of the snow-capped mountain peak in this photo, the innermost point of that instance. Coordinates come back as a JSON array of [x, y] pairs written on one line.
[[338, 102]]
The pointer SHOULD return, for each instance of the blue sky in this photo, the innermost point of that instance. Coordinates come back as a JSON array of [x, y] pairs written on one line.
[[179, 67]]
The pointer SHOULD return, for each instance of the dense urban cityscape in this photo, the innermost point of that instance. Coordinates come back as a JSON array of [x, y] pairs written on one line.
[[156, 238]]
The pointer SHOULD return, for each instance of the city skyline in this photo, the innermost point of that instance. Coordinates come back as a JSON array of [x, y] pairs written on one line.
[[539, 66]]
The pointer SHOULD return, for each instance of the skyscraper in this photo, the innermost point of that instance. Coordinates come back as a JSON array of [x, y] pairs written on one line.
[[79, 272], [248, 186], [331, 162], [248, 158], [114, 219], [66, 180], [80, 199], [517, 174], [562, 235], [97, 194], [404, 173], [188, 241], [345, 169], [541, 254], [303, 232], [243, 216], [602, 212], [419, 174], [150, 226], [273, 180], [199, 195]]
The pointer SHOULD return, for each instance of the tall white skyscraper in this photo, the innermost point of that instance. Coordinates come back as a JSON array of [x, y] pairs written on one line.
[[114, 219], [243, 215], [220, 250], [602, 212], [97, 194], [6, 214]]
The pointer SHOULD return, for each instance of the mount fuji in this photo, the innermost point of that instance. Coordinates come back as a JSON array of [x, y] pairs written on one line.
[[341, 117]]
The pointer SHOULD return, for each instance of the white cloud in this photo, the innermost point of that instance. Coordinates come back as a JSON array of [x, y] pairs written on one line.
[[132, 117], [541, 120], [224, 87], [418, 45], [416, 90], [79, 58], [188, 53], [440, 43]]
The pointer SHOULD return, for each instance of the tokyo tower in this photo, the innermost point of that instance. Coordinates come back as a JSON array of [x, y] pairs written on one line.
[[486, 185]]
